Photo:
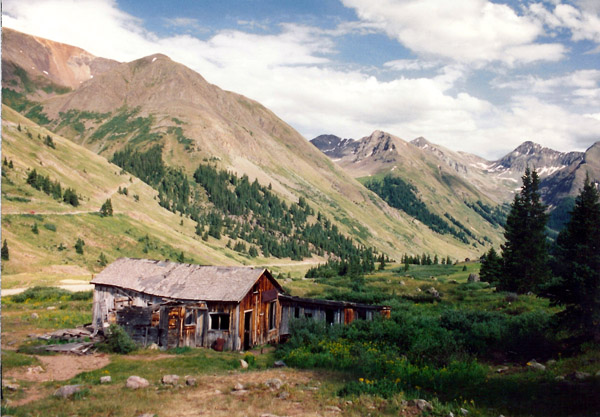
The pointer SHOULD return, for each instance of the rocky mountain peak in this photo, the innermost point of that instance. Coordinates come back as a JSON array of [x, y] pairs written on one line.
[[544, 160], [331, 145]]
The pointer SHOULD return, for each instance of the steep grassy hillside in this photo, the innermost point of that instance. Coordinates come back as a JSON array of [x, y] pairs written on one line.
[[138, 228], [154, 100]]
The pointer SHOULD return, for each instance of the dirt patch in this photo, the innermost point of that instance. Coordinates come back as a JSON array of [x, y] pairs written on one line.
[[60, 367], [53, 368]]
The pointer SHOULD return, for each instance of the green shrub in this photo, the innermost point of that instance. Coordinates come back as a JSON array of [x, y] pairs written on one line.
[[38, 293], [250, 359], [117, 341], [50, 226]]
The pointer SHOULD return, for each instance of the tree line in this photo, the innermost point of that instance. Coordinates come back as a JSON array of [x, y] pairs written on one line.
[[240, 209]]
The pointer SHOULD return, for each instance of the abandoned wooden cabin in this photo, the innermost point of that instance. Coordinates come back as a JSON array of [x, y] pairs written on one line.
[[231, 308]]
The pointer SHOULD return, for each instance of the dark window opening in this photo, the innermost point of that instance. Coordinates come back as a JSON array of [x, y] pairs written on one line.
[[272, 314], [362, 314], [308, 315], [219, 321], [189, 317], [297, 312], [329, 316]]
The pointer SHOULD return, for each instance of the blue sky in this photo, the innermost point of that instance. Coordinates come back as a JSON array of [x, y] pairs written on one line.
[[472, 75]]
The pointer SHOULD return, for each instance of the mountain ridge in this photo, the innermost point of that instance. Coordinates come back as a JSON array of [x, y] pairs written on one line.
[[156, 101]]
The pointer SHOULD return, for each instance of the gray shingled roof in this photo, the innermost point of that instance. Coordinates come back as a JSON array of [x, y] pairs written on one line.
[[181, 281]]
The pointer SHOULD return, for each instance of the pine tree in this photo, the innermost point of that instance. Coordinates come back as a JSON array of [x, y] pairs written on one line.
[[79, 246], [491, 266], [106, 209], [102, 261], [35, 229], [577, 267], [525, 253], [5, 254]]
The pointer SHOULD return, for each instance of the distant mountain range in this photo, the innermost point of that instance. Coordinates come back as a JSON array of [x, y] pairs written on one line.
[[562, 174]]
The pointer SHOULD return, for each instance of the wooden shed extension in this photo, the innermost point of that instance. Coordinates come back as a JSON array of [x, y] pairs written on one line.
[[174, 304], [329, 311]]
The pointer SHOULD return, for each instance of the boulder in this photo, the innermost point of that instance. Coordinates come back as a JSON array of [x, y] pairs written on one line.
[[153, 346], [433, 292], [170, 379], [35, 370], [275, 383], [581, 375], [67, 391], [283, 395], [473, 278], [243, 364], [190, 381], [422, 405], [105, 379], [502, 369], [279, 364], [533, 364], [136, 382]]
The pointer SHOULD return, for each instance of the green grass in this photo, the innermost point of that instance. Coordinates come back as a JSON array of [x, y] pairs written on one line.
[[11, 359]]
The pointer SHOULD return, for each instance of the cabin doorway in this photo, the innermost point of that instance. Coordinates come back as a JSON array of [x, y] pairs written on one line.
[[247, 330]]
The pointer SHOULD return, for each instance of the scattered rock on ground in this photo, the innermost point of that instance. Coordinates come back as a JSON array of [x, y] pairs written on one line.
[[239, 392], [12, 387], [533, 364], [105, 379], [35, 370], [464, 411], [581, 375], [147, 415], [333, 408], [190, 380], [551, 362], [433, 292], [422, 405], [274, 383], [243, 364], [35, 316], [450, 414], [170, 379], [502, 369], [511, 297], [218, 392], [283, 395], [473, 278], [238, 387], [135, 382], [279, 364], [67, 390], [153, 346]]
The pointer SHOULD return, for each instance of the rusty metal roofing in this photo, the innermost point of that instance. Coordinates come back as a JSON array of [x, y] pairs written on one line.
[[181, 281]]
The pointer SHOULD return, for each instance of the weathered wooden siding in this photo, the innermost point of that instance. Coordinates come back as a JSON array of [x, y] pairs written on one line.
[[331, 312], [257, 301]]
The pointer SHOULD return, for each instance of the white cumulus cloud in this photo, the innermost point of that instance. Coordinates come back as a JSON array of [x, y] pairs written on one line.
[[477, 32]]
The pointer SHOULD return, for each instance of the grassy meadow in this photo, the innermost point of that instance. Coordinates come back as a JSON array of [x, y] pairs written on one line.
[[447, 350]]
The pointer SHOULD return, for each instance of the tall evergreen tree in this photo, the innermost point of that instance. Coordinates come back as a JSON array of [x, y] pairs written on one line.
[[5, 253], [491, 266], [525, 253], [106, 209], [577, 267]]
